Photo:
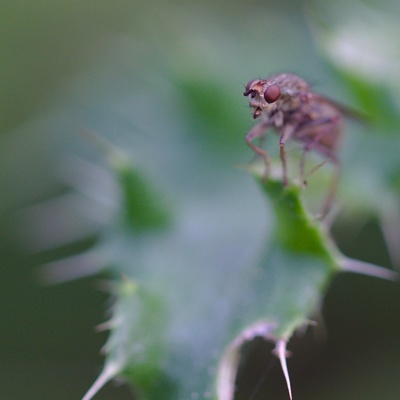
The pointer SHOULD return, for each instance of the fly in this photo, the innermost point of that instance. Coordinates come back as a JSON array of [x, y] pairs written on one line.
[[286, 103]]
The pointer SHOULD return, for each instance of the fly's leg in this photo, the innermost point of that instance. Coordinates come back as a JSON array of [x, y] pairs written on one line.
[[327, 204], [258, 131], [286, 134], [284, 166], [302, 165], [328, 127], [303, 174]]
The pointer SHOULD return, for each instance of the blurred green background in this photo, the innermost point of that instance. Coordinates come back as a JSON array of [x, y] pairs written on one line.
[[158, 79]]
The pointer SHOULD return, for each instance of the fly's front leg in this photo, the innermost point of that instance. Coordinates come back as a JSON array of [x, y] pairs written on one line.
[[258, 131]]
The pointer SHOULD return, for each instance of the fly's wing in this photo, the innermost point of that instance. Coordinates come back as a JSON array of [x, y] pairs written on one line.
[[343, 109]]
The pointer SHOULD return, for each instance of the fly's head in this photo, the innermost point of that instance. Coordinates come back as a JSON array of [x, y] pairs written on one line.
[[281, 92]]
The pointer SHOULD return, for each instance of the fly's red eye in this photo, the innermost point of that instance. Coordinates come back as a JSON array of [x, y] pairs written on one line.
[[272, 93]]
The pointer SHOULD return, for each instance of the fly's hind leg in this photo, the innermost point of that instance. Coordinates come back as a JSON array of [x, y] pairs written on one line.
[[328, 126], [302, 166], [303, 174], [327, 204]]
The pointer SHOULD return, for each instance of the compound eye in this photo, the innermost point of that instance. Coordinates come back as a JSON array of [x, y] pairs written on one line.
[[272, 93]]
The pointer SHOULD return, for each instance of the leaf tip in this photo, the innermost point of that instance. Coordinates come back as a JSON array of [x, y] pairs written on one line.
[[281, 353], [108, 373]]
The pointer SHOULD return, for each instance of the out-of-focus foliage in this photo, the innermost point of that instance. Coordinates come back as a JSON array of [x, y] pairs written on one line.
[[163, 81], [362, 53]]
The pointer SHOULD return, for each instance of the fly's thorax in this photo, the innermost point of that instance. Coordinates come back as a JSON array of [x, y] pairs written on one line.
[[289, 102], [289, 83]]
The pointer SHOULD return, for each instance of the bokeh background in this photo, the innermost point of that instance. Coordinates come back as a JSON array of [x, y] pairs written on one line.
[[158, 79]]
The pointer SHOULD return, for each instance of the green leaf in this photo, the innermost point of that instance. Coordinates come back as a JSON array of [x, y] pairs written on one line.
[[182, 315], [143, 208], [169, 333], [136, 348], [299, 260]]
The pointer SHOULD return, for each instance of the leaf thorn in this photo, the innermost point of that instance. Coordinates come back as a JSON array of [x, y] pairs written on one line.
[[109, 372], [365, 268], [280, 351]]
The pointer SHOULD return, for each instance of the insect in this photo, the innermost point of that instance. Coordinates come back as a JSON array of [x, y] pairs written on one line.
[[285, 103]]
